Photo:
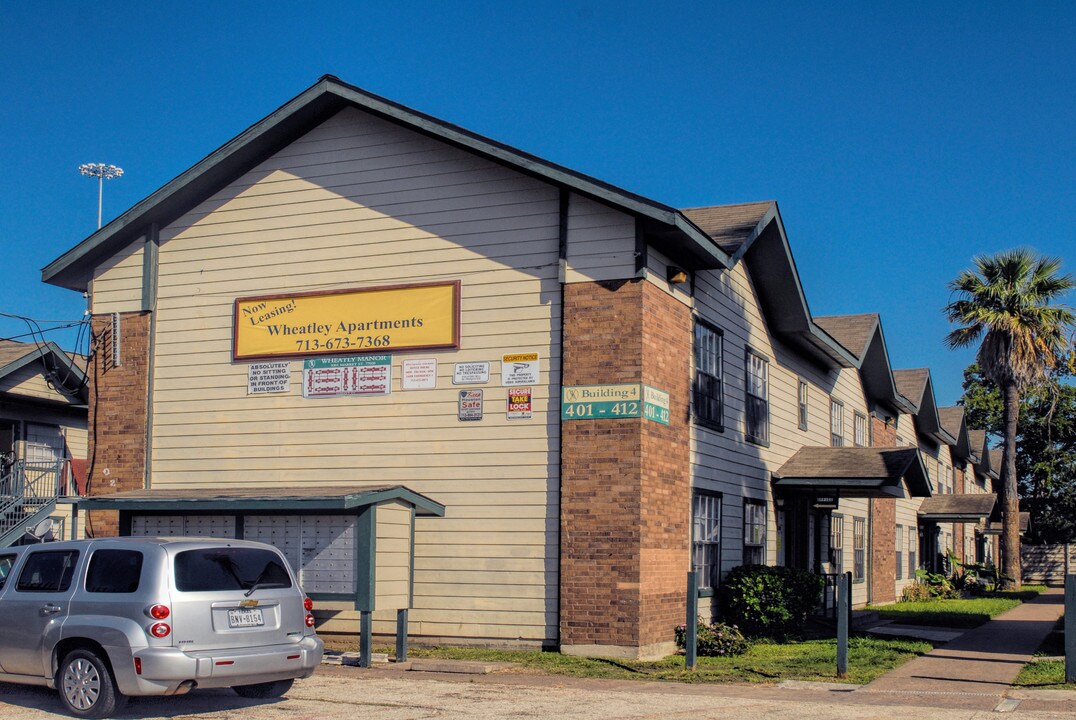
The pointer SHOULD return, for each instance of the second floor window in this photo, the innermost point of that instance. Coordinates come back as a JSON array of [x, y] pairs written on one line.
[[859, 430], [708, 392], [757, 426], [836, 423], [802, 395]]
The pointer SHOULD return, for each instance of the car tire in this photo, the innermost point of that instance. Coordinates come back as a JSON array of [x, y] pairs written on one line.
[[86, 686], [264, 690]]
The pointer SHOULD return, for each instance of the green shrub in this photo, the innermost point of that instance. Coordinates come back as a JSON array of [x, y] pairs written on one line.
[[766, 601], [916, 592], [714, 640]]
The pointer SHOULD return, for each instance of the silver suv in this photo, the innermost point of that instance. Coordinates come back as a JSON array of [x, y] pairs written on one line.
[[104, 619]]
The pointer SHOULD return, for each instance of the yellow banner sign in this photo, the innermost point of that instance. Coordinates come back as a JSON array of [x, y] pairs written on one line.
[[383, 319]]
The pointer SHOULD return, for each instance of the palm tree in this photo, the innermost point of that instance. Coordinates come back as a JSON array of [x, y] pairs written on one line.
[[1006, 300]]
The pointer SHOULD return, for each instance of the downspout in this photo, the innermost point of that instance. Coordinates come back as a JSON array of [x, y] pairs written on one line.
[[562, 264], [150, 258]]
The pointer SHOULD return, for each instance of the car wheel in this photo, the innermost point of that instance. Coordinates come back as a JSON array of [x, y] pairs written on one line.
[[264, 690], [86, 686]]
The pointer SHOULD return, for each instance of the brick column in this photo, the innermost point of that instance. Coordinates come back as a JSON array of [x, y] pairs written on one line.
[[625, 484], [883, 550], [117, 413]]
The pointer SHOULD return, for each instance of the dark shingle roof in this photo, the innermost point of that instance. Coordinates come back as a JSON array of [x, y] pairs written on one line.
[[951, 418], [831, 462], [979, 505], [730, 226], [910, 383], [10, 351], [977, 438], [853, 332]]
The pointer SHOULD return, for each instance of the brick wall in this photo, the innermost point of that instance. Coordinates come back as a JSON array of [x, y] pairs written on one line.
[[117, 413], [625, 484], [883, 561]]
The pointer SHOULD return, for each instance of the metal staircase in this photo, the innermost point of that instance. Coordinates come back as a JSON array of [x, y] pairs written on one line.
[[28, 494]]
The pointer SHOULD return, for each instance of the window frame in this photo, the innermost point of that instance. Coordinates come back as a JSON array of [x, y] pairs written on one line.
[[66, 577], [101, 553], [836, 431], [698, 418], [898, 546], [760, 547], [836, 549], [803, 396], [859, 549], [860, 420], [752, 400], [713, 577]]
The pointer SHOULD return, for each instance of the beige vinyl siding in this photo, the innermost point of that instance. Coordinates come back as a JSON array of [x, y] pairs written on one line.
[[724, 461], [392, 579], [360, 202], [601, 242], [657, 268], [117, 283], [29, 381]]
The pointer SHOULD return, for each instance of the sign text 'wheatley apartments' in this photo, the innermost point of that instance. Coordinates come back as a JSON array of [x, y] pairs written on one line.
[[344, 322]]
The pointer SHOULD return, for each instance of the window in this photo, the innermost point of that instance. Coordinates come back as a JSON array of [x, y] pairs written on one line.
[[114, 571], [900, 441], [6, 561], [707, 539], [900, 552], [232, 568], [859, 549], [757, 427], [913, 545], [754, 533], [802, 394], [44, 443], [836, 423], [708, 392], [950, 483], [836, 543], [49, 571], [859, 430]]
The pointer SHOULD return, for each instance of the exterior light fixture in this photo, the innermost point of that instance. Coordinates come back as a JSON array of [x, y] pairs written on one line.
[[675, 275], [102, 172]]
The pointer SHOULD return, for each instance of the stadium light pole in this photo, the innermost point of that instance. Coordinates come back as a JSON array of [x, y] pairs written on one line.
[[102, 172]]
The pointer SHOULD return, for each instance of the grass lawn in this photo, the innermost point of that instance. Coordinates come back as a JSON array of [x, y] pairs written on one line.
[[1048, 674], [962, 613], [764, 662]]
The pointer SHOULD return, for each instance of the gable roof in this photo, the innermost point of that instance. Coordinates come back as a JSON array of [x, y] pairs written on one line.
[[862, 336], [975, 507], [851, 331], [952, 421], [672, 230], [65, 371], [732, 226], [918, 388]]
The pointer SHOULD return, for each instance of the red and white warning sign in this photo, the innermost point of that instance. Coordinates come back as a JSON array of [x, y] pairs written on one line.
[[520, 403]]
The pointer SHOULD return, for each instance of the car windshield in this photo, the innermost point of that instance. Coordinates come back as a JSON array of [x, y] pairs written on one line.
[[229, 568]]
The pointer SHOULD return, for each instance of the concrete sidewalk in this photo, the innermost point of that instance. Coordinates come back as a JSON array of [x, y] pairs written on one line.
[[981, 662]]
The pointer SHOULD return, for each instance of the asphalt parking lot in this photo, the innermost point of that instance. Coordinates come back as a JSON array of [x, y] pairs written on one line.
[[350, 694]]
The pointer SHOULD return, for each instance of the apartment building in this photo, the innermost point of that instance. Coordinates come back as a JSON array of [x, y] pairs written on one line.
[[454, 379]]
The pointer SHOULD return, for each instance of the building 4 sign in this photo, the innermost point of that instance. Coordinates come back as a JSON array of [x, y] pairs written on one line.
[[347, 322], [611, 402]]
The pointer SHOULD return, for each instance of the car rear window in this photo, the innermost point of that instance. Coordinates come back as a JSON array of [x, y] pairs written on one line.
[[114, 571], [233, 568]]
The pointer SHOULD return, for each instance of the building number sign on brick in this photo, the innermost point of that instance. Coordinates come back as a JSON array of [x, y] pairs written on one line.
[[613, 402]]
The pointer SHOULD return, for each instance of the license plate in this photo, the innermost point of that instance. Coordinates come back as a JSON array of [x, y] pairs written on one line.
[[251, 617]]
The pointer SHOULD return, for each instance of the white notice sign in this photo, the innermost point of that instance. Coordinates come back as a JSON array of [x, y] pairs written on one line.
[[470, 373], [418, 374], [268, 377], [519, 369], [470, 405]]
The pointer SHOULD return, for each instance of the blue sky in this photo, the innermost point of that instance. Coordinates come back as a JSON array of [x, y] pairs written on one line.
[[899, 140]]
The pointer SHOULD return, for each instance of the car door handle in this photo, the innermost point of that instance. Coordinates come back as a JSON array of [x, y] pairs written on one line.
[[50, 609]]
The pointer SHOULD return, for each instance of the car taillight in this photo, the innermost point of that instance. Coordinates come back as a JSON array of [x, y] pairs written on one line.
[[159, 612], [308, 604], [160, 630], [138, 665], [310, 621]]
